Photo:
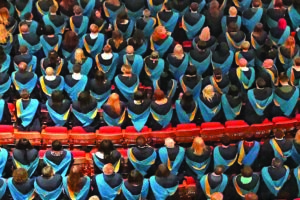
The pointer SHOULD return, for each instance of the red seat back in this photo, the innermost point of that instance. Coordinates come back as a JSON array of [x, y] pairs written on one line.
[[6, 128], [185, 133], [261, 130], [113, 133], [284, 123], [212, 131], [158, 137], [131, 129], [236, 129], [56, 129]]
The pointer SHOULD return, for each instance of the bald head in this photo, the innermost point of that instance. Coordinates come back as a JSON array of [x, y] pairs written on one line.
[[129, 49], [243, 62], [251, 196], [24, 28], [268, 63], [49, 71], [22, 66], [169, 142], [108, 169]]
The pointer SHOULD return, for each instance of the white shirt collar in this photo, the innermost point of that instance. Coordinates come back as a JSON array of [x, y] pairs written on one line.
[[50, 78], [76, 76]]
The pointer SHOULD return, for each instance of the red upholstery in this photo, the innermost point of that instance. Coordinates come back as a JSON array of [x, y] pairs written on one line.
[[6, 128], [78, 129], [236, 129], [56, 129], [261, 130], [206, 125], [130, 134], [79, 136], [113, 133], [123, 152], [42, 153], [235, 123], [212, 131], [55, 133], [77, 153], [185, 126], [110, 129], [131, 129], [185, 133], [158, 137], [284, 123]]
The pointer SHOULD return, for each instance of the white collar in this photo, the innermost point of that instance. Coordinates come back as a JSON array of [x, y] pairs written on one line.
[[244, 69], [93, 35], [106, 56], [76, 76], [50, 78]]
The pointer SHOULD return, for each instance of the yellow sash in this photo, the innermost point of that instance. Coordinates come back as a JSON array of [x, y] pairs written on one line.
[[238, 189], [18, 107], [239, 73], [72, 25], [134, 159], [232, 42], [86, 46], [151, 44], [253, 42], [117, 167], [277, 148], [292, 78], [122, 117], [43, 85], [59, 67], [214, 83], [280, 56], [105, 10], [241, 154], [183, 24], [207, 187]]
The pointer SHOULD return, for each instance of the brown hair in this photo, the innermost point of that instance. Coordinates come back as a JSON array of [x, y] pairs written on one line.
[[74, 179], [198, 146], [94, 28], [290, 43], [71, 40], [159, 94], [158, 32], [20, 175], [107, 49], [297, 137], [297, 61], [117, 37], [114, 102]]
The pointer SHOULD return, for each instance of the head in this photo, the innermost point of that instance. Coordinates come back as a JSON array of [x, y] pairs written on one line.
[[77, 68], [214, 8], [159, 32], [23, 49], [94, 198], [24, 28], [121, 17], [259, 28], [251, 196], [223, 49], [3, 34], [260, 83], [138, 36], [201, 45], [129, 49], [22, 66], [243, 62], [100, 76], [178, 50], [216, 196], [232, 27], [23, 144], [191, 71], [74, 178], [84, 98], [138, 96], [126, 69], [219, 169], [277, 163], [279, 134], [28, 16], [208, 92], [106, 147], [232, 11], [268, 63], [141, 141], [194, 7], [247, 171], [107, 49], [71, 40], [297, 61], [168, 5], [256, 3], [290, 42], [245, 45], [297, 137], [114, 102], [205, 34], [53, 57], [20, 176], [47, 171], [154, 55], [146, 13], [4, 16], [57, 97], [49, 30], [159, 95], [282, 24], [249, 137], [170, 143], [233, 91], [77, 10], [79, 56], [53, 9], [283, 79], [25, 94], [217, 73], [162, 171], [57, 146], [186, 99], [117, 37], [49, 71], [108, 169], [198, 146], [225, 140], [94, 28], [135, 177], [278, 4]]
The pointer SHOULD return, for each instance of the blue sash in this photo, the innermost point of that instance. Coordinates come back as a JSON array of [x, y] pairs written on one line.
[[219, 160], [208, 191], [154, 74], [203, 65], [149, 28], [278, 153], [67, 55], [206, 112], [135, 14], [112, 15], [47, 47], [11, 8], [47, 195], [171, 23], [3, 159], [286, 62], [297, 176], [109, 70], [107, 192], [57, 30], [48, 90], [163, 120], [274, 186], [16, 194], [33, 26], [295, 155], [181, 13], [198, 168], [140, 120], [125, 90], [259, 106], [31, 66], [250, 23], [141, 165], [63, 166], [2, 104], [294, 16], [192, 30], [180, 70], [143, 195], [5, 65], [159, 191], [230, 113], [195, 91], [287, 106], [283, 37], [58, 119], [77, 88], [172, 165], [8, 46], [137, 64], [26, 9], [30, 85], [154, 8], [100, 165], [162, 48], [29, 168], [31, 48], [5, 87], [243, 192], [83, 26], [234, 46], [3, 188], [82, 194], [271, 22], [245, 82], [96, 48], [128, 31], [249, 158], [114, 121], [85, 118], [85, 66], [101, 98], [224, 22], [170, 93], [27, 115], [89, 7], [184, 117], [226, 65], [239, 55], [142, 49]]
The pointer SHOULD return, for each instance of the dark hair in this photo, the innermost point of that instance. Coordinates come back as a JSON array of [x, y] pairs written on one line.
[[135, 177], [279, 133], [283, 78], [256, 3], [164, 80], [24, 144], [2, 55], [162, 171], [159, 94], [278, 3], [232, 27], [191, 70], [225, 140], [194, 6], [138, 96], [217, 73], [277, 162], [296, 4], [71, 40], [20, 175], [77, 68], [27, 16], [24, 94], [47, 171], [248, 136], [22, 49], [100, 76], [84, 99], [260, 82], [138, 37], [297, 61], [187, 100], [53, 56], [201, 45], [141, 141], [106, 147], [219, 169], [168, 5], [56, 145], [247, 171], [251, 196], [233, 91], [121, 17], [259, 28], [57, 97], [49, 30]]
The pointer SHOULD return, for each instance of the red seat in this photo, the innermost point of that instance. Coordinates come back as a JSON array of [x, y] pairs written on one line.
[[79, 157], [79, 137], [284, 123], [113, 133], [56, 129], [236, 129], [123, 152], [42, 153], [49, 134], [158, 137], [130, 134], [33, 136], [133, 130], [261, 130], [6, 128], [212, 131], [11, 107], [6, 134], [185, 133]]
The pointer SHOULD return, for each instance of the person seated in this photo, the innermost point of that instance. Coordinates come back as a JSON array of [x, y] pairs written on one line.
[[135, 61], [93, 42], [23, 79], [205, 36], [106, 153], [245, 182], [48, 185], [246, 53], [222, 58], [58, 158], [28, 113], [219, 80], [153, 68], [134, 9], [114, 111], [248, 151], [23, 7], [75, 83], [274, 13], [209, 104], [211, 183], [161, 111], [142, 157], [293, 72], [233, 17], [49, 40], [20, 185], [58, 109], [226, 154], [278, 147], [5, 116], [69, 44], [136, 186], [139, 110], [164, 184], [124, 24], [200, 57], [197, 158], [108, 184], [295, 152], [117, 43], [43, 6], [85, 62], [172, 156], [139, 42], [59, 65], [100, 88], [161, 41], [186, 110], [111, 9], [78, 23], [167, 18], [234, 36], [269, 73], [26, 57], [192, 21], [279, 34], [275, 184], [126, 83], [85, 112], [232, 103], [287, 52], [253, 15], [258, 36], [191, 82], [167, 84], [32, 24], [25, 156], [56, 21], [146, 23], [178, 62], [76, 185], [285, 98]]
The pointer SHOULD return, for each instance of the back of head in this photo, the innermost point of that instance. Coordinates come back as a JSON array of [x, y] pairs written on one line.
[[217, 73], [259, 28], [22, 66], [283, 78], [121, 17], [94, 28], [24, 28], [191, 71], [135, 177], [162, 171], [232, 11], [223, 49], [20, 175], [77, 10], [71, 40], [277, 163], [297, 61], [138, 96], [278, 4], [225, 140], [198, 146], [146, 13], [169, 142], [256, 3], [126, 69], [279, 134], [187, 100], [129, 49], [49, 71], [106, 147], [260, 82], [245, 45], [168, 5], [4, 16], [247, 171], [194, 6], [154, 55], [243, 62], [47, 171], [232, 27], [108, 169], [53, 9], [24, 94], [49, 30], [159, 94], [53, 56], [57, 145], [141, 141], [100, 76], [208, 92], [233, 91], [23, 49], [219, 169], [84, 98], [138, 35], [57, 97], [94, 198], [251, 196], [216, 196], [77, 68], [114, 102], [107, 49], [74, 178]]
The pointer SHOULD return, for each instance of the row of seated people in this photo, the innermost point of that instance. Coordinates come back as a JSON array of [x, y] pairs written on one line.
[[214, 169]]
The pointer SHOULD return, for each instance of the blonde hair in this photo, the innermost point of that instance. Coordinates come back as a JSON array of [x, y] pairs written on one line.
[[126, 69], [3, 34], [297, 137], [198, 146], [208, 92], [114, 102], [178, 51], [79, 56], [4, 16]]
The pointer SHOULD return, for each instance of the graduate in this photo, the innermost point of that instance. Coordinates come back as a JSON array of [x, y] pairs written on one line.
[[43, 6], [167, 18], [134, 8], [267, 51], [5, 61], [69, 44], [161, 41], [139, 42], [142, 157], [232, 103], [222, 58], [124, 24], [280, 33], [186, 109], [87, 7], [85, 62], [294, 15], [56, 21], [6, 39], [231, 18], [107, 61], [155, 6], [50, 41], [287, 52], [295, 152], [23, 7], [269, 73], [75, 83], [58, 158], [168, 85], [135, 61], [246, 53], [93, 42], [78, 22], [191, 82], [112, 8], [293, 72], [59, 65], [32, 24], [273, 14], [117, 43], [5, 116], [171, 155], [248, 151], [210, 40], [178, 62], [146, 23], [234, 36], [252, 16], [26, 57], [200, 57], [258, 36]]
